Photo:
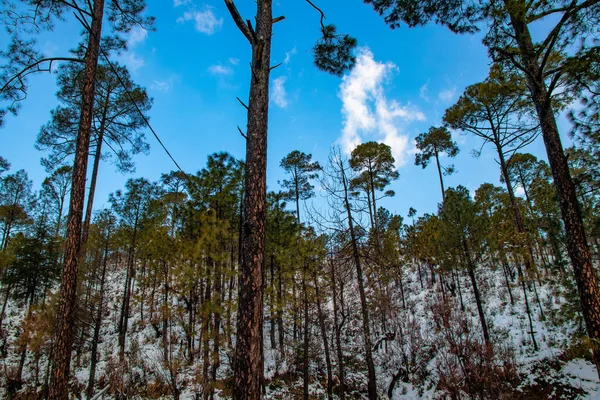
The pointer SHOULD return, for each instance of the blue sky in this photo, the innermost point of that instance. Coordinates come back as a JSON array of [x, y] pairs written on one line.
[[196, 63]]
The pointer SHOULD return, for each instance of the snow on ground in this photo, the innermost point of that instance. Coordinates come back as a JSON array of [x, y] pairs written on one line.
[[417, 337]]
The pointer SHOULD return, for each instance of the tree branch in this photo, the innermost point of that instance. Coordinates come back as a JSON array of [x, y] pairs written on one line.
[[242, 103], [26, 70], [320, 12], [242, 133], [237, 18]]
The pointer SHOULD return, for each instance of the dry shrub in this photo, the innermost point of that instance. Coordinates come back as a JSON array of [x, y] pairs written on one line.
[[467, 366], [414, 352]]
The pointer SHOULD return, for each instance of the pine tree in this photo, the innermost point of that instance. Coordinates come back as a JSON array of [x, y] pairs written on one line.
[[432, 144], [506, 25], [302, 170], [333, 53]]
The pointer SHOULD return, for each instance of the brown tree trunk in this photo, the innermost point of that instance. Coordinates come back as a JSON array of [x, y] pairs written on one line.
[[305, 348], [512, 301], [272, 317], [372, 380], [206, 304], [216, 325], [281, 333], [124, 318], [471, 271], [577, 246], [65, 319], [91, 193], [338, 340], [439, 168], [248, 358], [321, 317], [97, 326]]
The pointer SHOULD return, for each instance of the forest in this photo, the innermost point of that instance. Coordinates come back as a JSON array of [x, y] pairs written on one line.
[[211, 285]]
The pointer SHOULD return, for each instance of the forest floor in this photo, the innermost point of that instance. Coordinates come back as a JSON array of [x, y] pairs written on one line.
[[419, 353]]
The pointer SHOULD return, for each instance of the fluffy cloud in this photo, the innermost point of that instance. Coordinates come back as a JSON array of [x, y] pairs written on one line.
[[164, 85], [278, 93], [423, 92], [178, 3], [204, 20], [448, 94], [130, 58], [289, 54], [368, 113], [136, 35], [220, 70]]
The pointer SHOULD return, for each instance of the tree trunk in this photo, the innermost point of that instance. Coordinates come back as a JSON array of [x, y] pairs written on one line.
[[512, 301], [297, 195], [460, 296], [439, 167], [97, 326], [471, 271], [124, 318], [90, 200], [2, 313], [294, 311], [206, 304], [338, 340], [527, 308], [321, 317], [248, 358], [305, 376], [372, 380], [217, 325], [577, 246], [272, 317], [375, 211], [65, 320], [281, 333]]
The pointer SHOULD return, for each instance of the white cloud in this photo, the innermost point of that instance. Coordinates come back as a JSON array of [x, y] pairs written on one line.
[[163, 85], [458, 136], [136, 35], [205, 20], [220, 70], [448, 94], [423, 92], [178, 3], [234, 61], [289, 54], [131, 60], [368, 113], [278, 93]]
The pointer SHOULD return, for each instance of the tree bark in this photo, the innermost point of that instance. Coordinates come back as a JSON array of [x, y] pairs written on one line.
[[65, 319], [216, 325], [124, 318], [471, 271], [97, 326], [372, 380], [439, 168], [338, 340], [305, 349], [321, 317], [91, 193], [248, 358], [280, 330], [272, 317], [577, 245]]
